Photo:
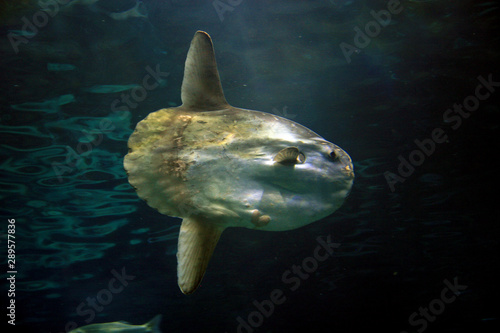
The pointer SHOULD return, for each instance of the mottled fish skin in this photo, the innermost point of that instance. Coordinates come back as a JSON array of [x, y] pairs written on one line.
[[189, 146], [218, 166]]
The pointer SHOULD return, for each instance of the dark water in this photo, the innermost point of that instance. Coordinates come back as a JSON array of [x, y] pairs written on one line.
[[410, 102]]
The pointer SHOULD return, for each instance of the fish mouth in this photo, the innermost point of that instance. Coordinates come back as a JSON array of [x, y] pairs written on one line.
[[346, 162], [349, 171]]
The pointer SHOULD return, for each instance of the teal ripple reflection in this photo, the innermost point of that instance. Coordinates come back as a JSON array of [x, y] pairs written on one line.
[[170, 233], [36, 285], [63, 181]]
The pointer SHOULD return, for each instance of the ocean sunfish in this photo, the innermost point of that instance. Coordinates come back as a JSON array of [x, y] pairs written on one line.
[[218, 166], [119, 326]]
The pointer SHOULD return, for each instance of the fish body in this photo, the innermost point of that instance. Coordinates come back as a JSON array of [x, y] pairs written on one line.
[[218, 166], [121, 327]]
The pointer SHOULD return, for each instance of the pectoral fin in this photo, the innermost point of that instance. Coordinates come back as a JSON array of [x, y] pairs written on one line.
[[289, 156], [197, 240]]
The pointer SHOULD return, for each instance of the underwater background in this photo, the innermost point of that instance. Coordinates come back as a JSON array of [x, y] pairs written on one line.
[[410, 89]]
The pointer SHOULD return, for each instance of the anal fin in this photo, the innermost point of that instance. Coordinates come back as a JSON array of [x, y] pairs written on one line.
[[197, 240]]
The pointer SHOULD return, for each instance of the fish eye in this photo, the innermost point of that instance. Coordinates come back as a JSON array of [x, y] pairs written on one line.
[[333, 155]]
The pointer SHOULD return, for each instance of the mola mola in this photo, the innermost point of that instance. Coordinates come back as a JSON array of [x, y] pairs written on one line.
[[218, 166]]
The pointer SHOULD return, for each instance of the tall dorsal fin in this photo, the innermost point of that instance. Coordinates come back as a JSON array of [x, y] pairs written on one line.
[[201, 89]]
